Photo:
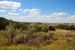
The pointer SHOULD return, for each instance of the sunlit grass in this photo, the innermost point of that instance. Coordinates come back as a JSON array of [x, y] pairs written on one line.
[[48, 47], [60, 44]]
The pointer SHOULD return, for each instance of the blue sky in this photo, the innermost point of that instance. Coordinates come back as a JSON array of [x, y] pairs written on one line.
[[50, 11], [49, 6]]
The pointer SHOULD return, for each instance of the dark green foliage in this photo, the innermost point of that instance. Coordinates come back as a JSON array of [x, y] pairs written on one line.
[[23, 26], [3, 23], [72, 27], [31, 27], [67, 27], [42, 28], [62, 26], [52, 28]]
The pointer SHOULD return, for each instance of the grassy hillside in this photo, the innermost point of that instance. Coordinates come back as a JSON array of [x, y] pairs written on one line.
[[36, 36]]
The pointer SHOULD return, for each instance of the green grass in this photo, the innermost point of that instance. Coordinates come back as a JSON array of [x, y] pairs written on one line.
[[49, 47]]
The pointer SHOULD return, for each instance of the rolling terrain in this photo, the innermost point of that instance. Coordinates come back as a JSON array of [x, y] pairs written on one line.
[[36, 36]]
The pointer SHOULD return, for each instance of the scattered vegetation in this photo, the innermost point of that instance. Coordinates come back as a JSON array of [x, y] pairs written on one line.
[[36, 36]]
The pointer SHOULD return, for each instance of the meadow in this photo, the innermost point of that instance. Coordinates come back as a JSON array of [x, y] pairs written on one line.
[[36, 36]]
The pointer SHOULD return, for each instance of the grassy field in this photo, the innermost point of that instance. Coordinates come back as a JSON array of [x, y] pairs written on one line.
[[65, 42]]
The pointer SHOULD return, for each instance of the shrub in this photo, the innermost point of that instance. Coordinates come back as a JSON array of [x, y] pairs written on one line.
[[3, 23], [66, 27], [72, 27], [40, 38], [19, 39], [11, 32], [52, 28]]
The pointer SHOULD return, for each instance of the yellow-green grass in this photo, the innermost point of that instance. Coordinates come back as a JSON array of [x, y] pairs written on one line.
[[48, 47], [60, 44]]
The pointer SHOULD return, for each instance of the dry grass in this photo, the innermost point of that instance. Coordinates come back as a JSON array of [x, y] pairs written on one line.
[[63, 43]]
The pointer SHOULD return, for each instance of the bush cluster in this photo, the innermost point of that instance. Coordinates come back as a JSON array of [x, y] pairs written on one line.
[[66, 27], [31, 34]]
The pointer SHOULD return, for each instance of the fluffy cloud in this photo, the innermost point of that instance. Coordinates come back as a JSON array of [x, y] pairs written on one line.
[[58, 17], [71, 19], [32, 15], [9, 4], [3, 11], [58, 14], [32, 12], [52, 18], [36, 15], [13, 14]]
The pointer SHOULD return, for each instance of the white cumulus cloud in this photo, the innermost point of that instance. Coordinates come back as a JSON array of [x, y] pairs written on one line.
[[3, 11], [59, 14], [13, 14], [32, 15], [32, 12], [71, 19], [9, 4]]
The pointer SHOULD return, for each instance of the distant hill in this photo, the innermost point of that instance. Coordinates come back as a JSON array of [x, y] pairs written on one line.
[[3, 22], [3, 19]]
